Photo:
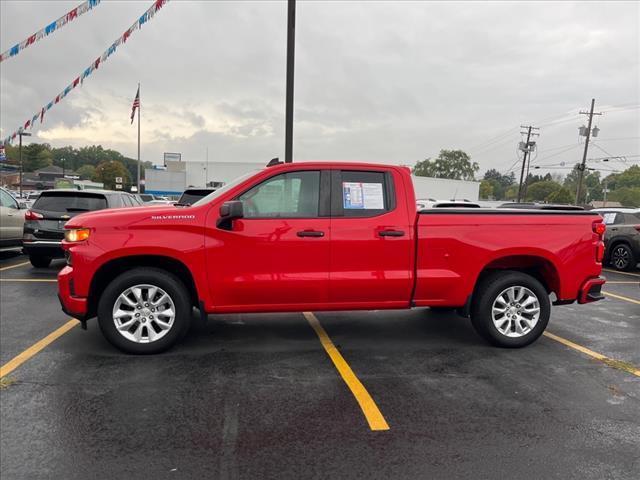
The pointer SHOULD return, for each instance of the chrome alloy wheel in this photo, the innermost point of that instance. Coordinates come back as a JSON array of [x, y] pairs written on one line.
[[620, 258], [515, 312], [143, 313]]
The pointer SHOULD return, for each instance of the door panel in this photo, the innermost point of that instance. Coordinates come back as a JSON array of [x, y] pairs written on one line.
[[371, 248], [277, 256]]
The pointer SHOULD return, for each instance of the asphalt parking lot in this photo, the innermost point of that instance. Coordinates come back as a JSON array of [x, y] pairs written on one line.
[[393, 394]]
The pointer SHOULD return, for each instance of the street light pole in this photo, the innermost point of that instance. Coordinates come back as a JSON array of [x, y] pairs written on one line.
[[21, 134], [291, 47]]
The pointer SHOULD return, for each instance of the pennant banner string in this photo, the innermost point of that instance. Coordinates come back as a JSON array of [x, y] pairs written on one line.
[[144, 18], [84, 7]]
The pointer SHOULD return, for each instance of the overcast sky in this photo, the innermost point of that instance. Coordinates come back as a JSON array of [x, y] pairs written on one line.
[[378, 81]]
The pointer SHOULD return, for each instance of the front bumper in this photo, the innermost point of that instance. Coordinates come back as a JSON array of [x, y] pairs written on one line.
[[71, 305], [591, 290]]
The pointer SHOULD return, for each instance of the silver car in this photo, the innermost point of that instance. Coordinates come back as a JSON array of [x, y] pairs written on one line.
[[11, 221]]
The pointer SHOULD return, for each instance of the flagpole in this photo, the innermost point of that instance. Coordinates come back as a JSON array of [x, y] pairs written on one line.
[[139, 110]]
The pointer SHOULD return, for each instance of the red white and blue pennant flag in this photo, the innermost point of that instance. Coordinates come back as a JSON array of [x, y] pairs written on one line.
[[144, 18], [84, 7]]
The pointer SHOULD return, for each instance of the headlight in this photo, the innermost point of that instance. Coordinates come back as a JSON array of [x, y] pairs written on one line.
[[76, 234]]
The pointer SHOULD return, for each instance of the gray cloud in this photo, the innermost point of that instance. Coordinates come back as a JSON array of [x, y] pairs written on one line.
[[378, 81]]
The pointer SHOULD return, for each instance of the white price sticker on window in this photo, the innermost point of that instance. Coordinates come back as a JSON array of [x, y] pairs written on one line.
[[367, 196]]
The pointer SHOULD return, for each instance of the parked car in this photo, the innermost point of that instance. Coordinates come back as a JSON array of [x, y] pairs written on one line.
[[539, 206], [431, 203], [622, 240], [325, 236], [11, 221], [192, 195], [43, 229]]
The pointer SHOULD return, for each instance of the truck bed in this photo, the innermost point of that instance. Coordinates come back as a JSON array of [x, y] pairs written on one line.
[[455, 246]]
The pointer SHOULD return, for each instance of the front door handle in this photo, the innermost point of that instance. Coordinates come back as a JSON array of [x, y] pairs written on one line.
[[310, 233], [391, 233]]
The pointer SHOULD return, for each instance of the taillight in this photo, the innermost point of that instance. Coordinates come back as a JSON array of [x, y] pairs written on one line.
[[599, 228], [30, 215]]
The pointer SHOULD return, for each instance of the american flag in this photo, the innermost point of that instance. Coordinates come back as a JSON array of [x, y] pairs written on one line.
[[136, 104]]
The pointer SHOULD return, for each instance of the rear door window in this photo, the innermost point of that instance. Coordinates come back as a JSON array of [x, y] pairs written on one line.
[[70, 202], [361, 193]]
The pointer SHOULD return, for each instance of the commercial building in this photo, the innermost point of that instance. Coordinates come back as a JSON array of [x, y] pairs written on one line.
[[175, 176]]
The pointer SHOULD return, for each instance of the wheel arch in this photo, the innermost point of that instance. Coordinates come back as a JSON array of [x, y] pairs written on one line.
[[112, 268]]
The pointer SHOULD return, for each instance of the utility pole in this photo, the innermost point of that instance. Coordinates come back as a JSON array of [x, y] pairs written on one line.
[[21, 134], [291, 46], [527, 148], [583, 165]]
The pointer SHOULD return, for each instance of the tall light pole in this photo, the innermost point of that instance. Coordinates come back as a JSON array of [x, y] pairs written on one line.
[[21, 134], [291, 47]]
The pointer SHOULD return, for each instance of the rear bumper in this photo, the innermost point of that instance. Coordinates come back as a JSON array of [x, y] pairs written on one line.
[[46, 248], [71, 305], [591, 290]]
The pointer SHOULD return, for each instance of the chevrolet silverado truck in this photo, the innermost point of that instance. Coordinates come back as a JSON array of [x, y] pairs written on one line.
[[314, 236]]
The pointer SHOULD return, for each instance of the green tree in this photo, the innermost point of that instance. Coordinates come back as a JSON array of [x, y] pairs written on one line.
[[499, 182], [511, 193], [591, 187], [486, 189], [561, 196], [36, 156], [627, 196], [453, 164], [87, 172], [108, 170], [539, 191]]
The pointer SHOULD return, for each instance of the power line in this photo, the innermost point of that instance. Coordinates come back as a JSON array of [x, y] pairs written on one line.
[[526, 147]]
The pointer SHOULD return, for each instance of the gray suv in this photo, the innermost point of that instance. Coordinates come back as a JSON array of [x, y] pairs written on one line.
[[44, 222], [622, 240]]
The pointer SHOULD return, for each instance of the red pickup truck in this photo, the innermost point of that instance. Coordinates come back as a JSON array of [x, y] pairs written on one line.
[[324, 236]]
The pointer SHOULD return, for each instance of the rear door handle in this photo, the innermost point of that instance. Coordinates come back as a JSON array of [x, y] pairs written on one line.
[[391, 233], [310, 233]]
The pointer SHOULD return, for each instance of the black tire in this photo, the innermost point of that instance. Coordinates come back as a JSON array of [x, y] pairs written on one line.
[[488, 291], [173, 287], [39, 261], [622, 258]]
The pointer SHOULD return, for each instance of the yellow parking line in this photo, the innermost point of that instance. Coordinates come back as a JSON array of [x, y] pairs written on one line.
[[28, 280], [369, 408], [14, 266], [621, 273], [18, 360], [620, 297], [627, 367]]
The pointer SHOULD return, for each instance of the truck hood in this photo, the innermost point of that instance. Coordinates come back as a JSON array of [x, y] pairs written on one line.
[[122, 216]]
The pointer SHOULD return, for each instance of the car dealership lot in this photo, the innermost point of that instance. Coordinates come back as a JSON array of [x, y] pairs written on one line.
[[258, 396]]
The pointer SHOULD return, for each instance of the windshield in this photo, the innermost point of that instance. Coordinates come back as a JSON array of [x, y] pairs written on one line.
[[224, 189], [192, 196]]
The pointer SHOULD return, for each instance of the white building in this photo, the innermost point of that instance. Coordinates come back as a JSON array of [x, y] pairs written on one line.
[[176, 176], [445, 189]]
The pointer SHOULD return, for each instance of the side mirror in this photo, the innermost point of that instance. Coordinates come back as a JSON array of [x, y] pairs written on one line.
[[229, 211]]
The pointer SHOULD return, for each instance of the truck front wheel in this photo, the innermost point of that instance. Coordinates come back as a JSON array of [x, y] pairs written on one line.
[[144, 311], [510, 309]]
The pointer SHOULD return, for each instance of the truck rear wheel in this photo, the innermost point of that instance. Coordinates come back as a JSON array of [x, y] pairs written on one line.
[[510, 309], [144, 311]]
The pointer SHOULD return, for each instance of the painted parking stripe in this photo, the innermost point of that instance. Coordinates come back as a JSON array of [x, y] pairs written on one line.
[[367, 404], [624, 366], [14, 266], [620, 297], [18, 360], [621, 273], [36, 280]]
